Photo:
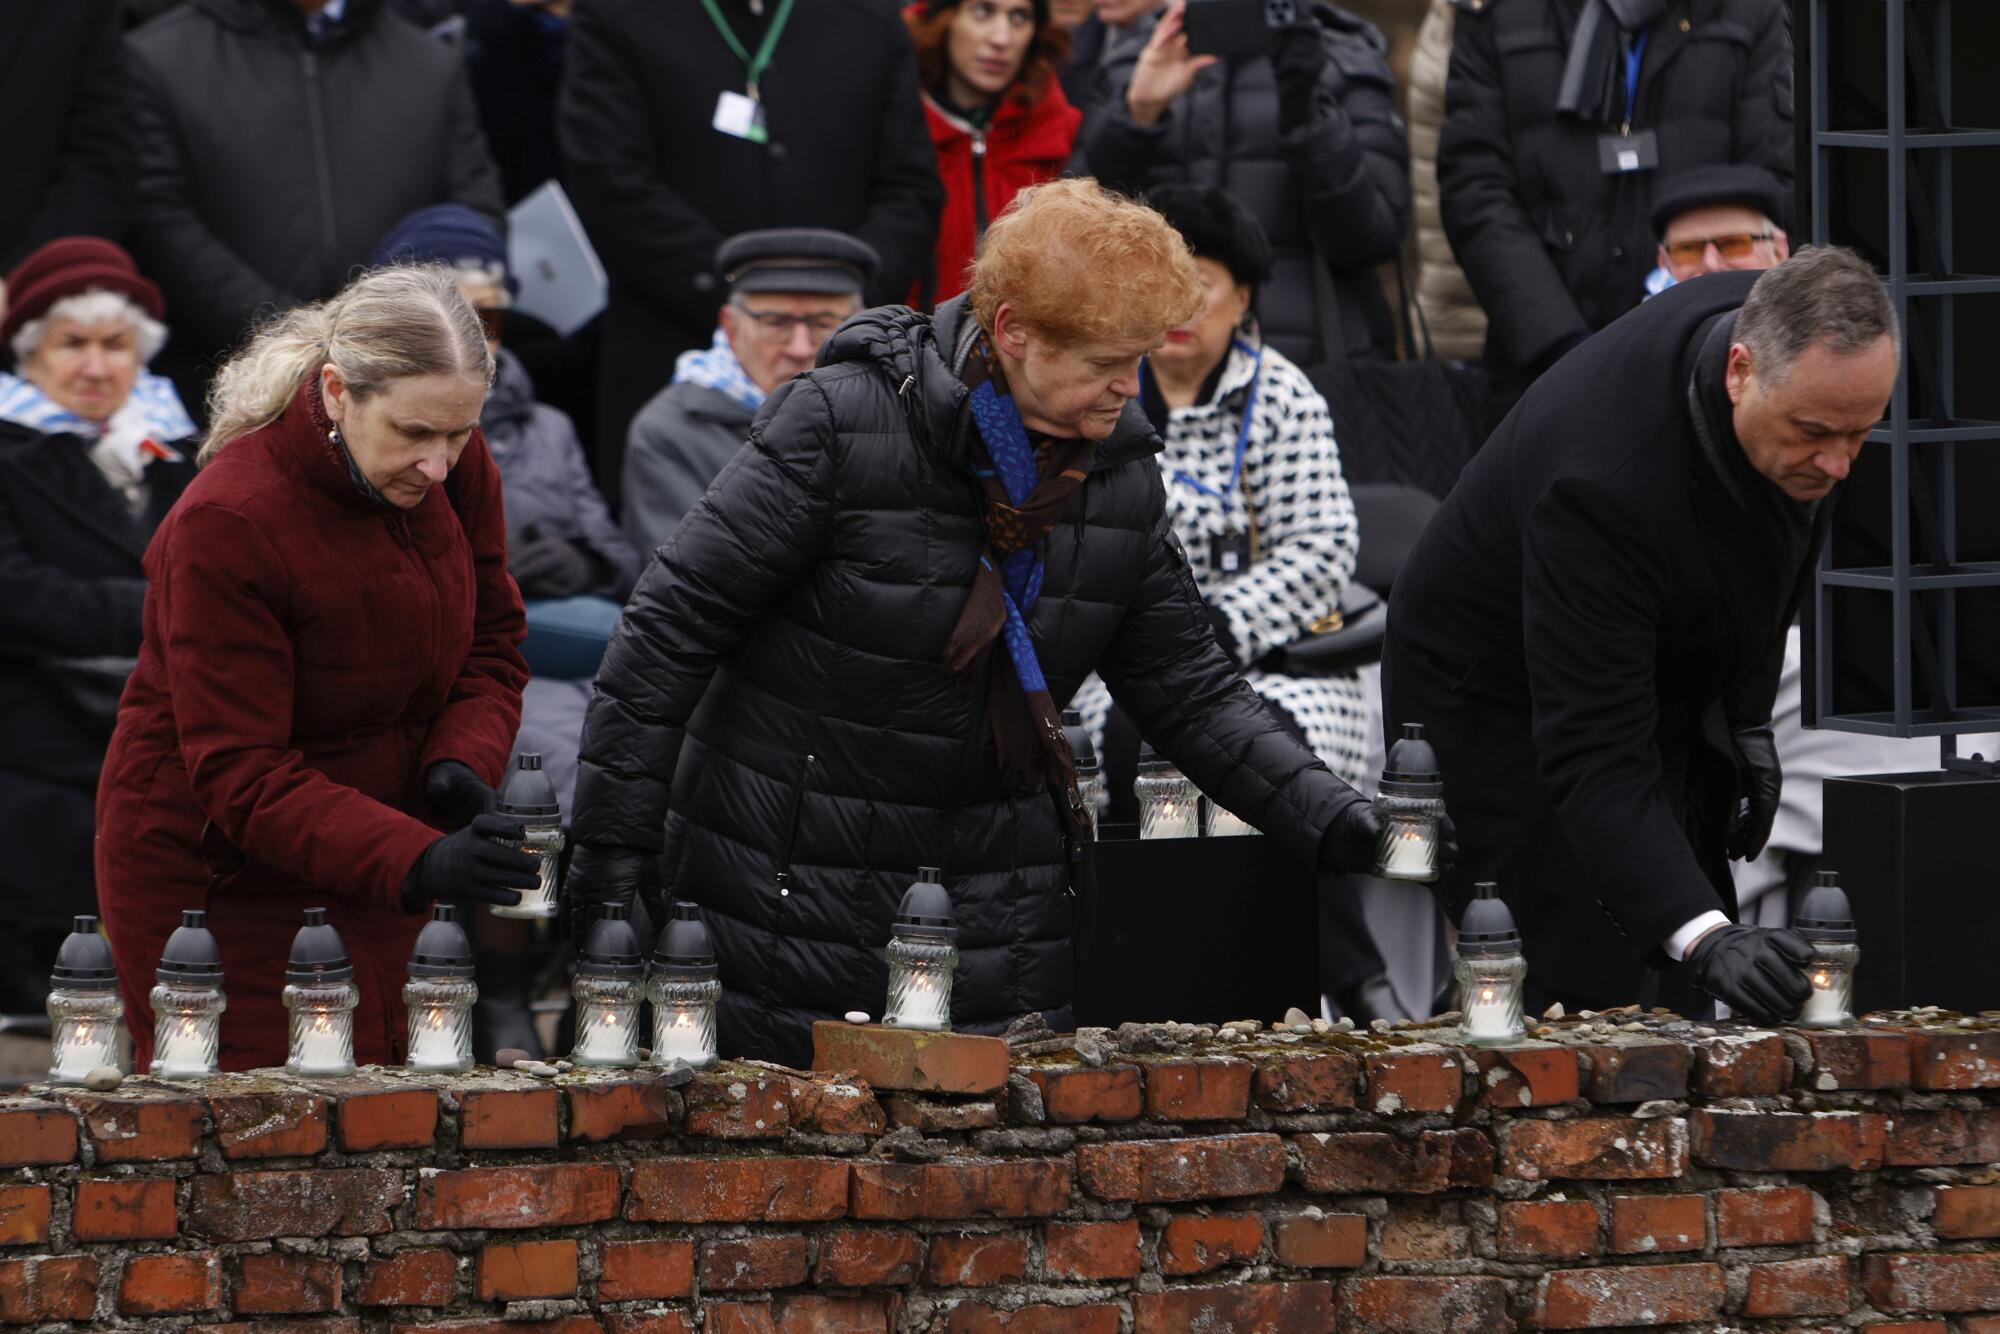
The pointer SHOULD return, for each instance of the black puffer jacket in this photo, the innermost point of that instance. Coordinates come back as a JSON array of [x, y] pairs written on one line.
[[1338, 187], [1555, 248], [775, 696]]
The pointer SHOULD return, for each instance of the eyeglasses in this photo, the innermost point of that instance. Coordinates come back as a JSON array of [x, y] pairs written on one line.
[[776, 327], [1734, 245]]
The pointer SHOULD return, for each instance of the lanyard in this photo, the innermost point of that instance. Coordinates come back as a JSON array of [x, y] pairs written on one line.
[[753, 66], [1228, 494], [1632, 59]]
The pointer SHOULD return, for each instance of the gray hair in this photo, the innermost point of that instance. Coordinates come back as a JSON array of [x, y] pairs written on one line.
[[92, 307], [1822, 294], [407, 319]]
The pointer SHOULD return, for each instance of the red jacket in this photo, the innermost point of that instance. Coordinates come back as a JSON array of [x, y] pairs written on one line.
[[307, 655], [1024, 144]]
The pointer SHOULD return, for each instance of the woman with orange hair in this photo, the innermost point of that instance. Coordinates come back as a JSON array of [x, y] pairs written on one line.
[[848, 662], [998, 117]]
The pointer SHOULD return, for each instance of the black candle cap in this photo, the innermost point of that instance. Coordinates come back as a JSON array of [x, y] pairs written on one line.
[[192, 957], [684, 950], [1412, 769], [611, 947], [1487, 928], [1150, 760], [319, 956], [442, 949], [528, 791], [925, 911], [1078, 737], [83, 963], [1825, 915]]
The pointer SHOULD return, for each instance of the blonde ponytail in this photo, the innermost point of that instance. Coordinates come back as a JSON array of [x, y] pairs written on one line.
[[388, 323]]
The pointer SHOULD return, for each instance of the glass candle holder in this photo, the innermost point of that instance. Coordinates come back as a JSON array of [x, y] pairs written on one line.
[[684, 987], [320, 995], [923, 957], [1826, 919], [1490, 971], [1169, 802], [439, 996], [529, 797], [1096, 795], [1090, 785], [188, 1002], [608, 987], [1410, 801], [86, 1017], [1225, 823]]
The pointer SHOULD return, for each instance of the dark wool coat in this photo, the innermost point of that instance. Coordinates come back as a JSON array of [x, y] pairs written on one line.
[[1337, 188], [1583, 622], [775, 694], [659, 188], [68, 166], [308, 654], [1554, 247], [71, 588]]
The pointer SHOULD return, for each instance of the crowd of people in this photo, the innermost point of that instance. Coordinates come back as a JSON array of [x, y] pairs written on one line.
[[267, 238]]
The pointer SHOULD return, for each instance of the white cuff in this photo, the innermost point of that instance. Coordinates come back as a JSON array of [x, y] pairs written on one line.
[[1677, 944]]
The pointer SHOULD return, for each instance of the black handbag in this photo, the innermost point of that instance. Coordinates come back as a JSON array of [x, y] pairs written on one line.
[[1348, 637]]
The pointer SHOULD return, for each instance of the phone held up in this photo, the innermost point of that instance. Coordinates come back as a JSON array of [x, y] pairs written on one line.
[[1236, 27]]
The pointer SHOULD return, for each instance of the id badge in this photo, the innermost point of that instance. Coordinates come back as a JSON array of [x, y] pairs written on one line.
[[1229, 553], [1620, 153], [740, 117]]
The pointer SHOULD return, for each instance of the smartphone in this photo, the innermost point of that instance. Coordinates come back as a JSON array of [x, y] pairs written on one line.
[[1236, 27]]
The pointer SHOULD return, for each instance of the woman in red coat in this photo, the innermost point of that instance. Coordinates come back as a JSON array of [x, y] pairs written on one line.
[[329, 675], [998, 118]]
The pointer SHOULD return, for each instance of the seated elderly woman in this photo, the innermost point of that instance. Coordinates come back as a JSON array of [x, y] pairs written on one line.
[[849, 661], [92, 453]]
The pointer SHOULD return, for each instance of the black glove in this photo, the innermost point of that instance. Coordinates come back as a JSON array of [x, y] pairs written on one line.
[[459, 795], [601, 874], [470, 865], [1350, 842], [1754, 970], [1757, 759], [552, 567], [1298, 60]]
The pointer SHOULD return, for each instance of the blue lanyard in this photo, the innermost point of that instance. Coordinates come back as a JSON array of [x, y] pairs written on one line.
[[1632, 59], [1228, 495]]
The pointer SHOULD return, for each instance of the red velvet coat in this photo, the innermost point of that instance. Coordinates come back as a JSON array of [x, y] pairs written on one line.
[[308, 653], [1025, 143]]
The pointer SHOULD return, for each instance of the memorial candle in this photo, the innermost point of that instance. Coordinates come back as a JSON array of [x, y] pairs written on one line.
[[86, 1017]]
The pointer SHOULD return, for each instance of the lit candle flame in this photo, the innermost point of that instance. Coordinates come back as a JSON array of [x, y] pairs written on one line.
[[1486, 995], [1822, 978]]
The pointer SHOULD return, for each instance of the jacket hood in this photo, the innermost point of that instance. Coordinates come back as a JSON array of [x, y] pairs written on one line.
[[281, 18]]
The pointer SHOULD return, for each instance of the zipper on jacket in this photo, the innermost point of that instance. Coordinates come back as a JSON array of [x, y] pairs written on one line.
[[322, 167], [784, 877], [978, 189]]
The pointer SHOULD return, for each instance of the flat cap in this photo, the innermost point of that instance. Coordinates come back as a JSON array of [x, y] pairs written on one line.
[[796, 259], [1704, 187]]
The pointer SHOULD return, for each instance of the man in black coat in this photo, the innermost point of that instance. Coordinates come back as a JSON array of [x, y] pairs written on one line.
[[665, 154], [1592, 627], [1560, 119], [68, 158]]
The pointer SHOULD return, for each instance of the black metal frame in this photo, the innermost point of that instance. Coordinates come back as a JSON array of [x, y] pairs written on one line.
[[1923, 561]]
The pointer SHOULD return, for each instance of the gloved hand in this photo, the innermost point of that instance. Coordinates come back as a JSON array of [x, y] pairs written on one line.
[[1349, 843], [601, 874], [1754, 970], [1750, 826], [1298, 60], [551, 567], [459, 795], [470, 865]]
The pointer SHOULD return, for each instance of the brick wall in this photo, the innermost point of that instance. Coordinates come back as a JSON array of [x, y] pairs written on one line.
[[1615, 1172]]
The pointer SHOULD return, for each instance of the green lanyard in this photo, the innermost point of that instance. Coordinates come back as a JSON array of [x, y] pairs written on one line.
[[753, 66]]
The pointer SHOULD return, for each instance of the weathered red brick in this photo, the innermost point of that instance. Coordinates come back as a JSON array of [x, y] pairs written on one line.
[[1935, 1138], [730, 1103], [1602, 1148], [1955, 1059], [1236, 1308], [1424, 1306], [1425, 1230], [130, 1209], [1864, 1059], [909, 1060], [1641, 1070], [1369, 1161], [641, 1270], [141, 1128], [1967, 1211], [573, 1324], [330, 1325], [286, 1284], [1782, 1216], [563, 1195], [836, 1107], [1329, 1241], [1197, 1243], [47, 1288], [1530, 1075], [1789, 1142], [1658, 1224], [170, 1284], [747, 1264], [373, 1119], [1629, 1295], [255, 1206], [979, 1318], [268, 1123], [1932, 1284], [1416, 1079], [516, 1270], [1546, 1230], [508, 1118], [409, 1278], [1742, 1065], [935, 1117], [738, 1190], [1163, 1170], [1798, 1287], [1307, 1081], [640, 1107], [1093, 1250], [961, 1189], [649, 1322], [868, 1258], [976, 1259], [24, 1215], [1207, 1090], [35, 1134], [801, 1313], [1072, 1096]]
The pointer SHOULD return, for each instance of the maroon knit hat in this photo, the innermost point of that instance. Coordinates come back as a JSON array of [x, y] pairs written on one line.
[[70, 266]]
